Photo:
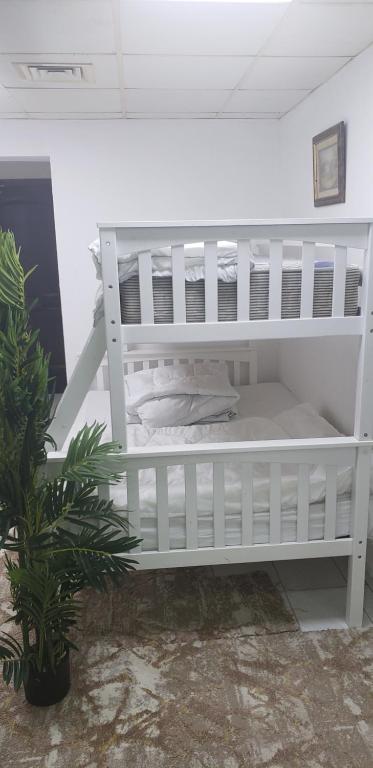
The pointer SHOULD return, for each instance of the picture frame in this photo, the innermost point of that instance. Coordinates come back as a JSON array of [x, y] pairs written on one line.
[[329, 166]]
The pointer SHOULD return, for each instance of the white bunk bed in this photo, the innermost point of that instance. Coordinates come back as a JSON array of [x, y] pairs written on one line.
[[165, 479]]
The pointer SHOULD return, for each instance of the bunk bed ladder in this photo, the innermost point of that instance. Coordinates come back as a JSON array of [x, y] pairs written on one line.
[[113, 329]]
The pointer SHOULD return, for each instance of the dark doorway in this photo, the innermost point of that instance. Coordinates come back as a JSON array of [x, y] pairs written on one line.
[[26, 208]]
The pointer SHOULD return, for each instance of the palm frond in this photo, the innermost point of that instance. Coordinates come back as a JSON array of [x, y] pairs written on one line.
[[12, 278], [15, 663], [98, 554], [88, 461]]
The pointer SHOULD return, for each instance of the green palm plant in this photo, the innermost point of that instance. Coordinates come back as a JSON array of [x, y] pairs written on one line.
[[58, 534]]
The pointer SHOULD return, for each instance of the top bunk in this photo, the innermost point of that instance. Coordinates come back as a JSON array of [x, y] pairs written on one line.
[[203, 281]]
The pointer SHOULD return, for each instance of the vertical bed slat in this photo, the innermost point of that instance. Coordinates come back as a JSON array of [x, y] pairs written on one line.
[[146, 287], [243, 280], [339, 281], [247, 504], [218, 505], [191, 506], [303, 502], [330, 503], [253, 370], [275, 503], [162, 509], [236, 373], [130, 367], [275, 279], [211, 282], [178, 283], [308, 265], [133, 503]]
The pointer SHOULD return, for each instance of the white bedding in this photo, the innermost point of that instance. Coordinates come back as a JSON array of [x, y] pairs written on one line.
[[194, 256], [265, 399], [273, 414], [180, 394], [233, 525]]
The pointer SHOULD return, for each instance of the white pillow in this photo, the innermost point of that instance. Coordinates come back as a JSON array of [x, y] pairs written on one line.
[[304, 421]]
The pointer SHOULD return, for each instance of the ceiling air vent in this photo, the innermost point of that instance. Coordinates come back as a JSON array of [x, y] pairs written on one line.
[[56, 73]]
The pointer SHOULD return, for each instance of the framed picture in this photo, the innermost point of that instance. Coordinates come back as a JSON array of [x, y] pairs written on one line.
[[329, 166]]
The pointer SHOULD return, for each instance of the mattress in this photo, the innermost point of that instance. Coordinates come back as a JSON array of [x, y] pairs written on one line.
[[256, 401], [227, 296], [233, 526]]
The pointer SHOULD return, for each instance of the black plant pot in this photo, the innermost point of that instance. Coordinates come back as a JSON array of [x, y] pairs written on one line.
[[47, 687]]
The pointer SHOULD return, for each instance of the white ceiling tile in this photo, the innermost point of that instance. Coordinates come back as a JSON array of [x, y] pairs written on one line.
[[323, 30], [166, 101], [162, 27], [67, 101], [76, 26], [263, 101], [105, 70], [8, 104], [291, 72], [184, 71]]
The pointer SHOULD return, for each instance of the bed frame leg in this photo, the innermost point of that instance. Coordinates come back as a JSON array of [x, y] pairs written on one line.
[[355, 589], [356, 561]]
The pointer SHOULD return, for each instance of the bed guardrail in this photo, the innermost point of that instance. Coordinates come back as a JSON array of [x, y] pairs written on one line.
[[308, 236], [244, 456]]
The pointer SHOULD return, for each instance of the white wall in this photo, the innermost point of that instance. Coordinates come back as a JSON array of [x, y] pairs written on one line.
[[141, 170], [347, 96], [323, 372]]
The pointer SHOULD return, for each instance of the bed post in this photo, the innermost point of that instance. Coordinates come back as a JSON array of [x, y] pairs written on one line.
[[364, 400], [113, 330], [356, 561], [363, 431]]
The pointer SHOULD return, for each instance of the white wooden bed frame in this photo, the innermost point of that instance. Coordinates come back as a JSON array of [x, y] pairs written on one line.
[[116, 339]]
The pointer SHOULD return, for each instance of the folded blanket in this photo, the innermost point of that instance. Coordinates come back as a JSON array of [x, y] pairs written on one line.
[[180, 394]]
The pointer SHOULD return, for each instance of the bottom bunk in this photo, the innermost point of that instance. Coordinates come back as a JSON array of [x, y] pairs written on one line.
[[275, 482], [237, 501]]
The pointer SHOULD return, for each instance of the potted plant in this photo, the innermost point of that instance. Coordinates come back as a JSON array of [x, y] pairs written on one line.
[[58, 534]]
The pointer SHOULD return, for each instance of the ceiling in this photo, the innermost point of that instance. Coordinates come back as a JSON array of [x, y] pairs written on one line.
[[174, 58]]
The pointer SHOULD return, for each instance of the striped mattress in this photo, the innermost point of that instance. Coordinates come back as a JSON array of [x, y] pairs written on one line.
[[227, 296]]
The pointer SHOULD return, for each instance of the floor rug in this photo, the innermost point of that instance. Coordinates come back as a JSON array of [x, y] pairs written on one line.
[[245, 695], [204, 601]]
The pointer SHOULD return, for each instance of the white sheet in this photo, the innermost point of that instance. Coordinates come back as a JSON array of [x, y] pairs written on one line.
[[233, 526]]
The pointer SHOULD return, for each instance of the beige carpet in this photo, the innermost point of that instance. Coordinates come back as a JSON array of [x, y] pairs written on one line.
[[158, 685]]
